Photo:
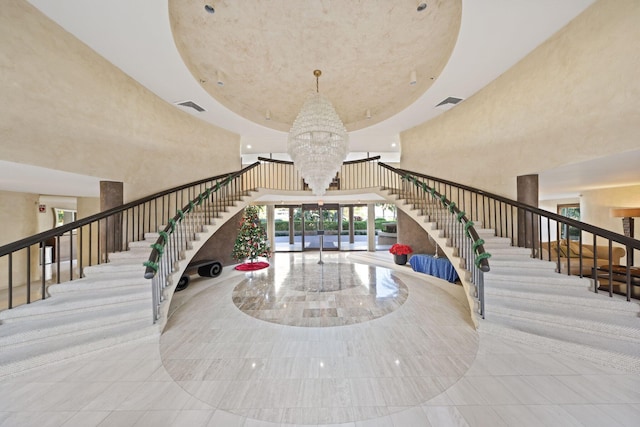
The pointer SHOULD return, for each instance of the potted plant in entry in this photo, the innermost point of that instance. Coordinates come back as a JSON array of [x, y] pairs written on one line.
[[400, 253]]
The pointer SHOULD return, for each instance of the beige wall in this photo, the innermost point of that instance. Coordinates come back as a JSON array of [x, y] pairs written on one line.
[[597, 205], [46, 219], [576, 97], [64, 107], [18, 216], [412, 234], [18, 219]]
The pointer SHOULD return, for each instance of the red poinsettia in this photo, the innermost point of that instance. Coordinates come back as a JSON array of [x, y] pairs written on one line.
[[399, 249]]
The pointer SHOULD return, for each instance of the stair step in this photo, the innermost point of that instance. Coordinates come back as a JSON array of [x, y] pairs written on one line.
[[510, 251], [78, 301], [546, 301], [38, 328], [573, 335], [140, 244], [558, 285], [518, 263], [108, 281], [595, 322], [38, 353], [540, 277], [494, 241], [120, 266], [134, 253], [564, 343]]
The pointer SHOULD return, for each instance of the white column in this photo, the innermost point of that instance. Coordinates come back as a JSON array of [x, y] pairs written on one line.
[[371, 226], [271, 227]]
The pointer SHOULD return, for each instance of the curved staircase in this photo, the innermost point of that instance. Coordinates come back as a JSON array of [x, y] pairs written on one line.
[[110, 306], [527, 301]]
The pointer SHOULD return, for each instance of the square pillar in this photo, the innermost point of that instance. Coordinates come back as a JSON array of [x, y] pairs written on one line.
[[528, 234]]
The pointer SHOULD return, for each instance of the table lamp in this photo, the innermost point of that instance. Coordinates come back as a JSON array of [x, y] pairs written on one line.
[[627, 215]]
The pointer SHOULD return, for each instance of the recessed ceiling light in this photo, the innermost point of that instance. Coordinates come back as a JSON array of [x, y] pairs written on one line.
[[421, 6], [209, 8], [393, 144], [248, 146]]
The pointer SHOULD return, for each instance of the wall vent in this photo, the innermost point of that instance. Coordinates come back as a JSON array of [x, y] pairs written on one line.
[[191, 104], [449, 100]]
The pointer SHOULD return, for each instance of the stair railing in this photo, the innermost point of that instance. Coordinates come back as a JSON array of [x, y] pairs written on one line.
[[25, 270], [181, 229], [453, 222], [592, 252], [94, 237]]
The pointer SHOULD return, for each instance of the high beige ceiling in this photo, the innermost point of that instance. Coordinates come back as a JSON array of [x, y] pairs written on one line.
[[490, 36], [265, 53]]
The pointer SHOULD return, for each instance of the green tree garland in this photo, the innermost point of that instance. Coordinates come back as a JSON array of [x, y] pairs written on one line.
[[251, 242]]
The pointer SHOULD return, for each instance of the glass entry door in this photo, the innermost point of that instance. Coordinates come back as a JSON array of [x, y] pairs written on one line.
[[320, 227], [288, 228]]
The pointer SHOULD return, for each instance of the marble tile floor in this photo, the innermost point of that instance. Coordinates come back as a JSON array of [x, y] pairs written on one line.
[[421, 365]]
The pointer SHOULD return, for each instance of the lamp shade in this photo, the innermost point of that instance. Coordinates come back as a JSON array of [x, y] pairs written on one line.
[[625, 212]]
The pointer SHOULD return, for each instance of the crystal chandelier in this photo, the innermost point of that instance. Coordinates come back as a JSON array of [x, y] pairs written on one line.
[[318, 142]]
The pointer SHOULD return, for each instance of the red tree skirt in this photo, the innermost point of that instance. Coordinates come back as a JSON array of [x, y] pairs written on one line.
[[251, 266]]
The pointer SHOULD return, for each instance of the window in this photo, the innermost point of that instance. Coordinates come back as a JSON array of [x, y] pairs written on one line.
[[570, 211]]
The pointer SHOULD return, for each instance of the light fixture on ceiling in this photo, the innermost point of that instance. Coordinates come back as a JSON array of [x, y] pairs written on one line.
[[209, 8], [421, 6], [267, 115], [368, 114], [393, 144], [219, 78], [412, 78], [318, 142], [248, 146]]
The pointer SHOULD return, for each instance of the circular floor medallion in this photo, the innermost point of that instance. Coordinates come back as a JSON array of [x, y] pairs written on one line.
[[313, 295]]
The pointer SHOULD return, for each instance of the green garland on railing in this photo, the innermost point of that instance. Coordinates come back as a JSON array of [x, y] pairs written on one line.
[[451, 206], [152, 265], [467, 226], [160, 247], [480, 257], [476, 244]]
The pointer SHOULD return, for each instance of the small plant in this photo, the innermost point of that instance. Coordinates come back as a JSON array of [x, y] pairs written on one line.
[[399, 249]]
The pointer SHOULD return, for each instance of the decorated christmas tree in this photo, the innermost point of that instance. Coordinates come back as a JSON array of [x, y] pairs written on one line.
[[251, 242]]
